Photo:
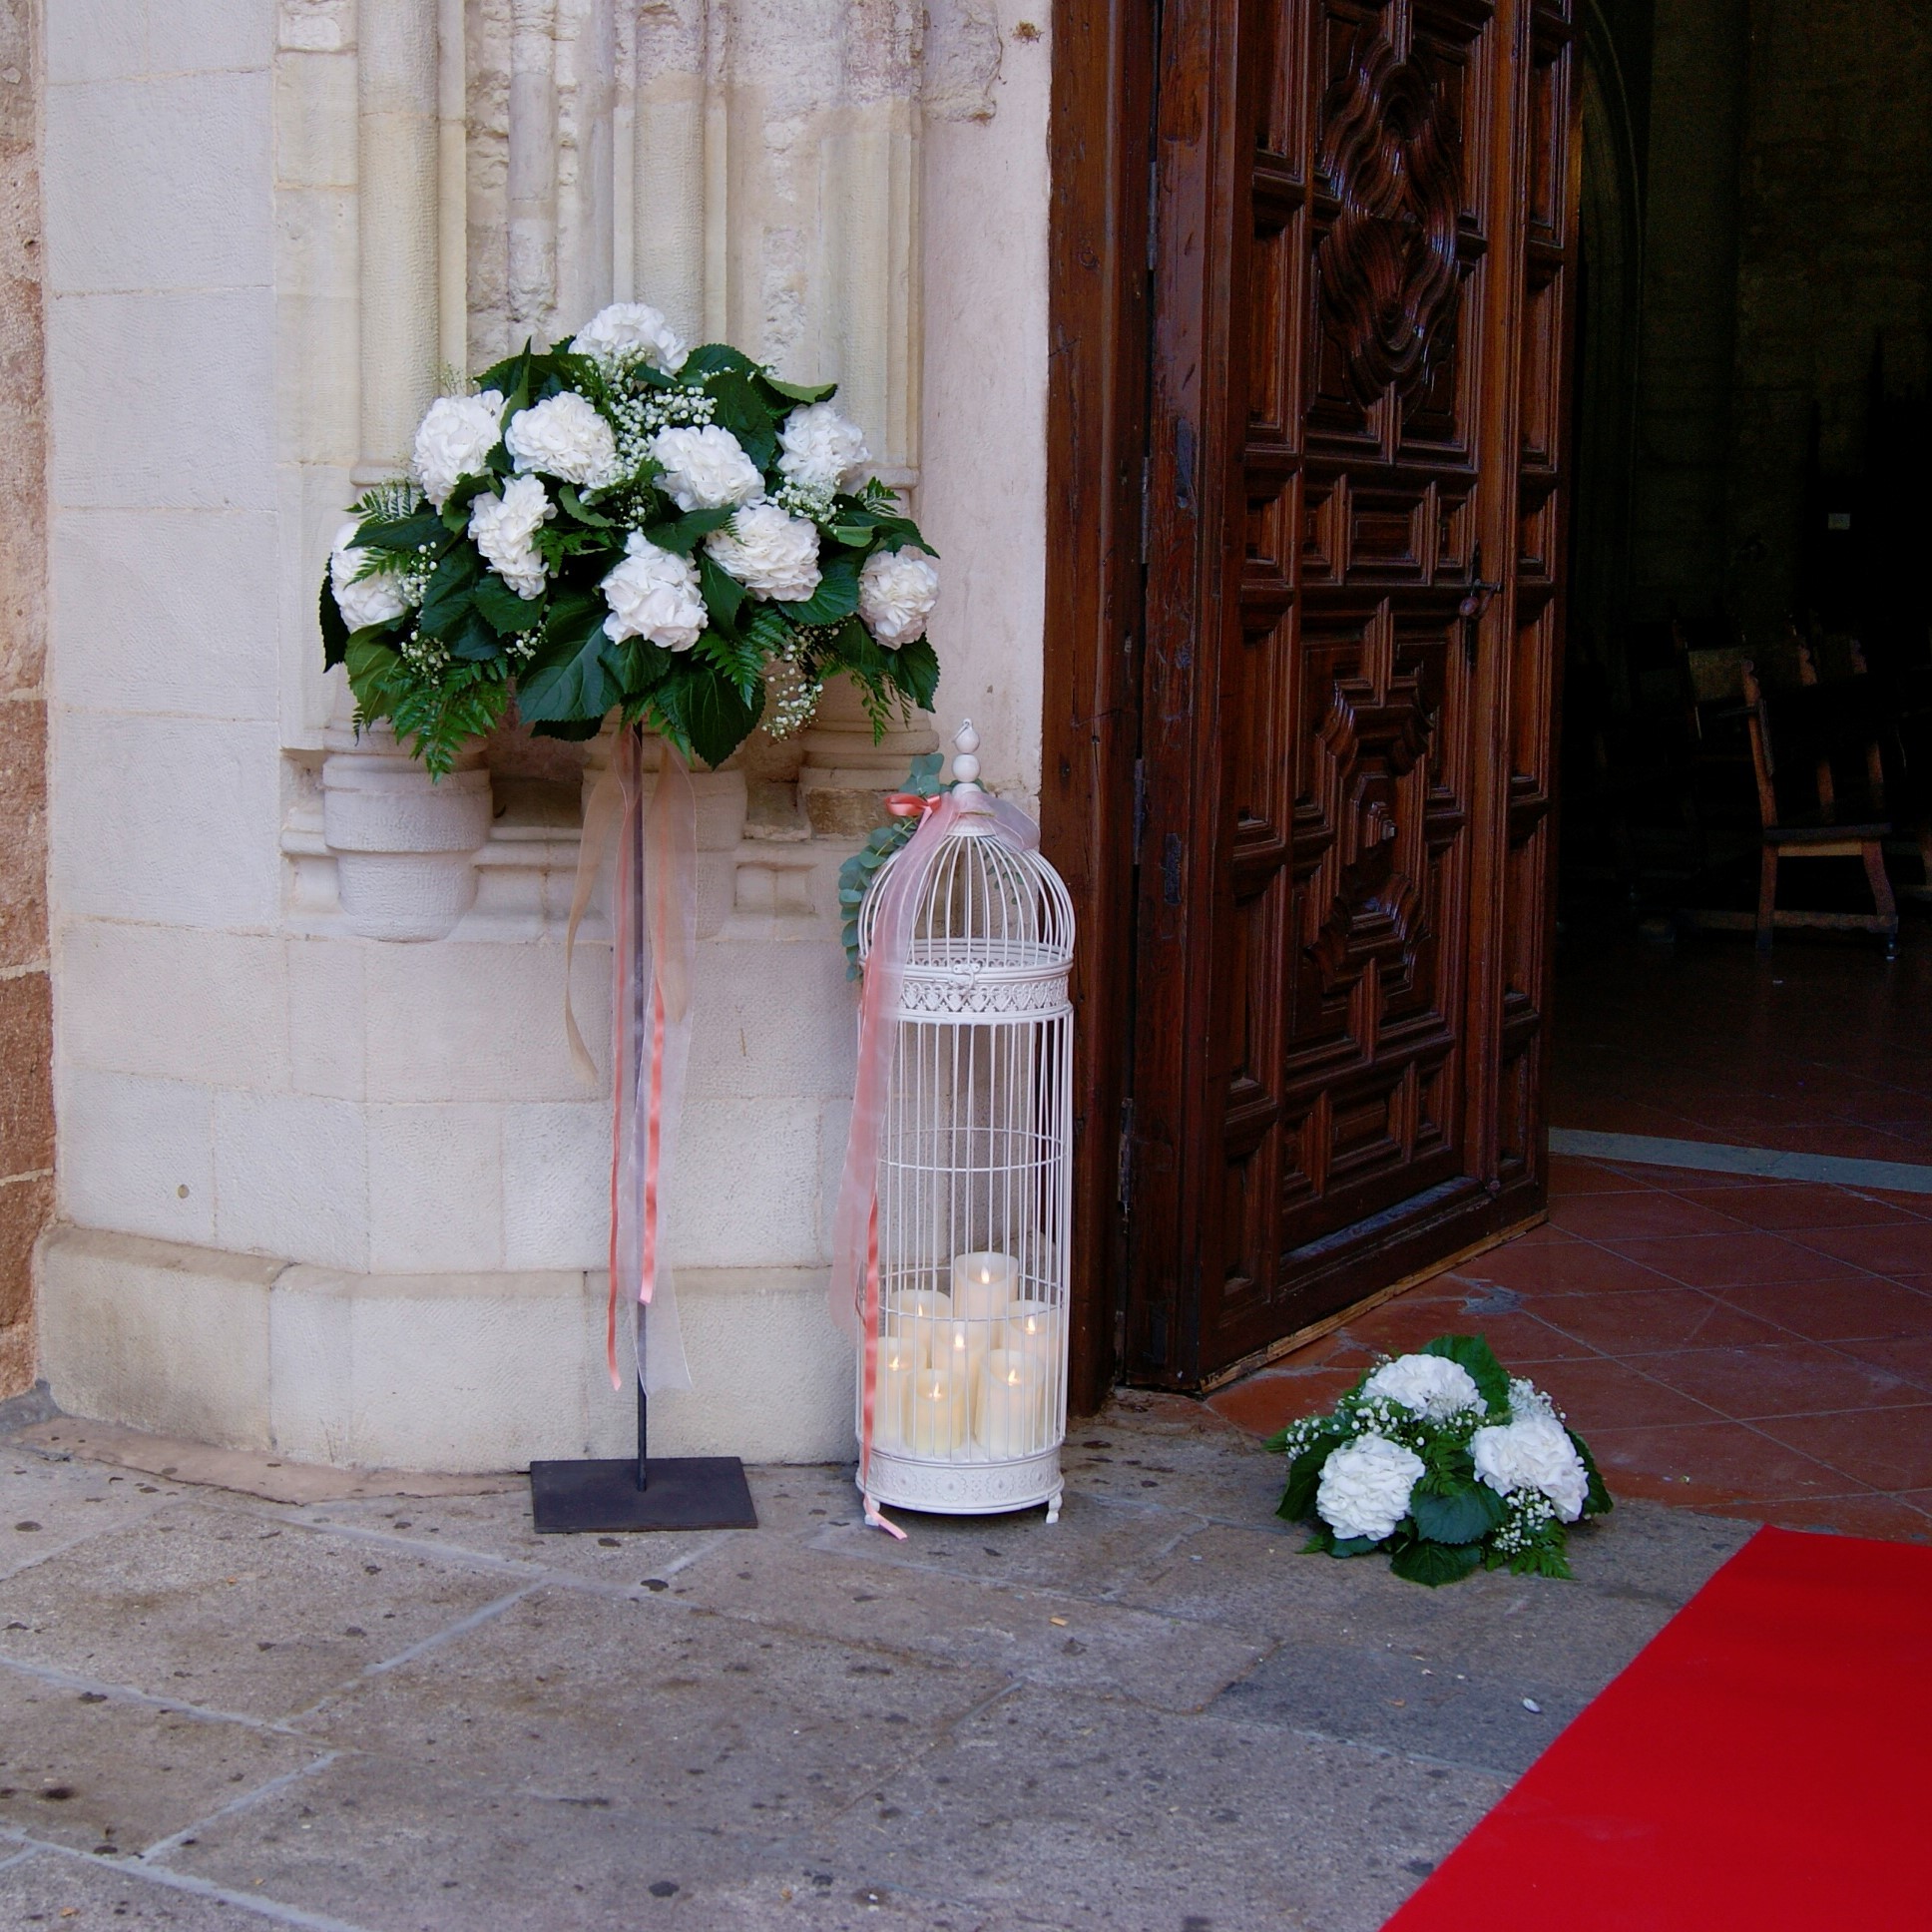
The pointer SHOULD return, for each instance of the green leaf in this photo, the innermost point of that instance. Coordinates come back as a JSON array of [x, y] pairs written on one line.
[[1466, 1515], [336, 633], [799, 391], [472, 639], [739, 659], [456, 506], [1476, 1355], [373, 662], [409, 535], [575, 730], [723, 593], [506, 612], [447, 599], [899, 533], [1320, 1543], [684, 533], [914, 667], [1305, 1474], [709, 357], [574, 506], [565, 678], [1596, 1498], [746, 413], [1353, 1546], [836, 596], [856, 648], [638, 667], [708, 712], [1435, 1564]]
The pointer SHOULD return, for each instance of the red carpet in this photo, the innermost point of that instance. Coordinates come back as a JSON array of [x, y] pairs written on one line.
[[1764, 1764]]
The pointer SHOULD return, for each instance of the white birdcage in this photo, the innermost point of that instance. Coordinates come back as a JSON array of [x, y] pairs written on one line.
[[975, 1174]]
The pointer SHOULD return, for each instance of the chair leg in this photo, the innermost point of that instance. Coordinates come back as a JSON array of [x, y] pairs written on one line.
[[1881, 891], [1766, 896]]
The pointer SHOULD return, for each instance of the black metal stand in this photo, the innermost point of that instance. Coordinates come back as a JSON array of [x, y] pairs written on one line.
[[639, 1493]]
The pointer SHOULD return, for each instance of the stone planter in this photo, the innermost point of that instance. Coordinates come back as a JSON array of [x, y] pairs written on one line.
[[404, 843]]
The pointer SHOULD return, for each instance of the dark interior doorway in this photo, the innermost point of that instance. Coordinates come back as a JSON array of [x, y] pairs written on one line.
[[1747, 658]]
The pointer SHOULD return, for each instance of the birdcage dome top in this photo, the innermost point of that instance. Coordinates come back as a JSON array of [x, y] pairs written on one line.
[[988, 910]]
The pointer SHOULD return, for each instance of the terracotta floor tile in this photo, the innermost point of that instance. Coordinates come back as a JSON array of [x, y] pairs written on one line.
[[1784, 1204], [1734, 1260], [1562, 1268], [1627, 1218], [1706, 1461], [1570, 1176], [1909, 1358], [1778, 1378], [1856, 1310], [1685, 1179], [1596, 1393], [1919, 1499], [1886, 1448], [1917, 1206], [1400, 1326], [1522, 1339], [1884, 1517], [1653, 1319], [1902, 1248], [1270, 1400]]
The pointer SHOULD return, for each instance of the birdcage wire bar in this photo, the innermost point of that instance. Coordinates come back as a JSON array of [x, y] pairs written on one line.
[[975, 1185]]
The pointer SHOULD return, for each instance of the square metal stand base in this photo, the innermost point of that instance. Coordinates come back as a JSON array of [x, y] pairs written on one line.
[[679, 1493]]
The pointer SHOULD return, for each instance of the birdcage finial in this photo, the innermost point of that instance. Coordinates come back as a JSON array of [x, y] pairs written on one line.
[[965, 765]]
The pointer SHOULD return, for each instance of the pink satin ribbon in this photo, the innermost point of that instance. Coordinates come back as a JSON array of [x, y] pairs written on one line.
[[650, 1014], [855, 1220]]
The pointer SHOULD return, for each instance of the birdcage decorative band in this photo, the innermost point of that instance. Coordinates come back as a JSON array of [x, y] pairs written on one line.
[[962, 1385]]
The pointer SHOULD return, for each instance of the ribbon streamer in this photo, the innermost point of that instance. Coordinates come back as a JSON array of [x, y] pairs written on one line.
[[900, 888], [653, 944]]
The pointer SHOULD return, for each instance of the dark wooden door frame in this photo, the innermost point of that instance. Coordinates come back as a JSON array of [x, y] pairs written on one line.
[[1103, 55]]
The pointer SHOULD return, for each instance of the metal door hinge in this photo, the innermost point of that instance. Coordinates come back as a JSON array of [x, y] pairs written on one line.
[[1154, 213], [1123, 1191], [1146, 468], [1140, 806]]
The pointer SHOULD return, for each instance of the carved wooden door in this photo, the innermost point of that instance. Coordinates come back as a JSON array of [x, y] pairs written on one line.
[[1361, 268]]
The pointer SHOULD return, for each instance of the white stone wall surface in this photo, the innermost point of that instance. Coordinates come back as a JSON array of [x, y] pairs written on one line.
[[389, 1136]]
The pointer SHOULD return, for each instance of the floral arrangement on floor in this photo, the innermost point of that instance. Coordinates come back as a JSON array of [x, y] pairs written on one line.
[[622, 523], [1445, 1461]]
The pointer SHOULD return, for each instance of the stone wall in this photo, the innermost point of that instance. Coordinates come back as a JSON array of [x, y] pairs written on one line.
[[26, 1092]]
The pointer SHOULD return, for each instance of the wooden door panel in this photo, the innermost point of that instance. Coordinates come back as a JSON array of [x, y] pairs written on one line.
[[1359, 326]]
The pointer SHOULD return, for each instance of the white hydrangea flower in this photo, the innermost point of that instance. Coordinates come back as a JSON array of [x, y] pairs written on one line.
[[366, 600], [705, 469], [1365, 1485], [504, 529], [821, 450], [454, 440], [771, 553], [654, 595], [631, 332], [1430, 1385], [896, 592], [1532, 1453], [565, 437]]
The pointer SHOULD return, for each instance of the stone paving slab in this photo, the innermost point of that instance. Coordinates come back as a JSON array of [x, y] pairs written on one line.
[[50, 1506], [73, 1895], [228, 1610], [113, 1774], [396, 1713], [707, 1721], [836, 1588]]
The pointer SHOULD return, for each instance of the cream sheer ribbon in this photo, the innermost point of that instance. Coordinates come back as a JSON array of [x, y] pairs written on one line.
[[654, 953], [901, 889]]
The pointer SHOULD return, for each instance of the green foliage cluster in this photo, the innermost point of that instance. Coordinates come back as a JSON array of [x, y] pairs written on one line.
[[447, 668], [1455, 1523], [855, 876]]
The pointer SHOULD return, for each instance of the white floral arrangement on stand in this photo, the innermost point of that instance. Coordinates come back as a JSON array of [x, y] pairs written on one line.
[[623, 524], [1445, 1461]]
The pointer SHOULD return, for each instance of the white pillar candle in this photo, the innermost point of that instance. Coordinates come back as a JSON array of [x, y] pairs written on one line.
[[1009, 1418], [936, 1412], [983, 1283], [1033, 1330], [899, 1364], [920, 1318]]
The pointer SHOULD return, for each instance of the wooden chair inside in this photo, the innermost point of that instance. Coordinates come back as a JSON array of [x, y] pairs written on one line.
[[1797, 739]]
